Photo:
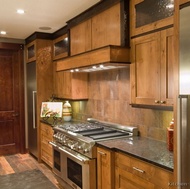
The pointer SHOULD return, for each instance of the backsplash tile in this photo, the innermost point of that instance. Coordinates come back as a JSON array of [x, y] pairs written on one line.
[[109, 98]]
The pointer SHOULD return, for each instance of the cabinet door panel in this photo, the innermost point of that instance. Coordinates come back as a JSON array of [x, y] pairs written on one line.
[[167, 66], [80, 36], [126, 180], [71, 85], [106, 28], [146, 69], [104, 166]]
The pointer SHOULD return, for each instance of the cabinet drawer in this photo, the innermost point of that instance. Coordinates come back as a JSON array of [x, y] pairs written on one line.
[[46, 157], [125, 179], [45, 145], [46, 137], [146, 171], [47, 129]]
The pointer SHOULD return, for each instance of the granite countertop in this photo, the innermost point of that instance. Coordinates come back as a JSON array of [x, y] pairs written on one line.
[[49, 121], [149, 150], [146, 149]]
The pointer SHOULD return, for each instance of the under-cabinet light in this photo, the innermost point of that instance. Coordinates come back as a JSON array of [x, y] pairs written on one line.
[[3, 32]]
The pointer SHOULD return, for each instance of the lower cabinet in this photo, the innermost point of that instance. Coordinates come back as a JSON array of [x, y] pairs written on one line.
[[46, 148], [132, 173], [105, 165]]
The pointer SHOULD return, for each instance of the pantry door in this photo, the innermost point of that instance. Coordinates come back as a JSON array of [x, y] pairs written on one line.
[[12, 128]]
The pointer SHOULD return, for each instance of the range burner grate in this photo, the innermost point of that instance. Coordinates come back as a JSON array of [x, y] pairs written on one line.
[[78, 127]]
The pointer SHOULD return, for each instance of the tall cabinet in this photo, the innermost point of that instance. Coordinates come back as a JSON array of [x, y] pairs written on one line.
[[152, 53], [39, 53]]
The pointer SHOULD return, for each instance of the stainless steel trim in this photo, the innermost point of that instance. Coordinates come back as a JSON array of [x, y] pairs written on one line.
[[83, 160], [183, 133], [131, 129], [72, 153], [139, 170], [102, 153], [34, 108], [179, 142]]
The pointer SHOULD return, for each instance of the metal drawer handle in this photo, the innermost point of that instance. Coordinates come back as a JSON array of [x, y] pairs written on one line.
[[102, 153], [157, 101], [139, 170]]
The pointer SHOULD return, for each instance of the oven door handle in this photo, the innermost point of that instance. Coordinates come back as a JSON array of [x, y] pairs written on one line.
[[85, 161], [53, 144]]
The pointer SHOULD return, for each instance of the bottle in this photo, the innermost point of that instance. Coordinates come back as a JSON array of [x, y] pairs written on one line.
[[170, 131], [67, 111]]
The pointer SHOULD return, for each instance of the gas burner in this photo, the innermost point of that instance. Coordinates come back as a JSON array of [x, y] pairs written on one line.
[[81, 137], [77, 127]]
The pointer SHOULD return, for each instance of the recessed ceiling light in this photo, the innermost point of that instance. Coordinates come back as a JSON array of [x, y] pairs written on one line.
[[3, 32], [20, 11], [45, 28]]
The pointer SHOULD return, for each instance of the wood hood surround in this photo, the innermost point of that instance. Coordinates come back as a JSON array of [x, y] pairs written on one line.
[[112, 56], [103, 30]]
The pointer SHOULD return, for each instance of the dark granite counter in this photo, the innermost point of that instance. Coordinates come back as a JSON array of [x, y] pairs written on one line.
[[146, 149], [49, 121]]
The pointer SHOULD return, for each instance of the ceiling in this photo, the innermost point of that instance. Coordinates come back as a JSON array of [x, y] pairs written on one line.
[[38, 13]]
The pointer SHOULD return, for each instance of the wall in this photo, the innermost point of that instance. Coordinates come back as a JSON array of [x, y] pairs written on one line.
[[109, 100]]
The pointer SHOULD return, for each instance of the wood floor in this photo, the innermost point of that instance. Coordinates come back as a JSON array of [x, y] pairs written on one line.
[[23, 162]]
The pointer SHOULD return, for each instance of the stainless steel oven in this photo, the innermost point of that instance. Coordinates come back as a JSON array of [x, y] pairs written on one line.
[[75, 169], [74, 150]]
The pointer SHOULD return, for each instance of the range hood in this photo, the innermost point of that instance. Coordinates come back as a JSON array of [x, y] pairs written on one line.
[[104, 58]]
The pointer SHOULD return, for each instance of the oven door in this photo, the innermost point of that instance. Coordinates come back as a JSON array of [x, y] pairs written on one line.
[[57, 160], [75, 169], [78, 171]]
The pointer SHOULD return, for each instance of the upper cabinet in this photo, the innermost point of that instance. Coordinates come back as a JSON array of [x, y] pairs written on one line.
[[31, 52], [148, 15], [106, 27], [70, 85], [61, 47], [152, 69], [152, 52], [80, 37]]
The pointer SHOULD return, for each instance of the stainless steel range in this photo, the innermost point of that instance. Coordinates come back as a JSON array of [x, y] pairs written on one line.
[[74, 149]]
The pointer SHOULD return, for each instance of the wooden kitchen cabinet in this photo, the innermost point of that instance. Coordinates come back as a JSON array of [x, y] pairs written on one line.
[[31, 52], [46, 148], [43, 72], [132, 173], [152, 69], [148, 15], [80, 38], [70, 85], [61, 47], [105, 164], [107, 27]]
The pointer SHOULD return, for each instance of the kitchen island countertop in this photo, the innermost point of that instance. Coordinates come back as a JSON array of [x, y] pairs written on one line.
[[146, 149]]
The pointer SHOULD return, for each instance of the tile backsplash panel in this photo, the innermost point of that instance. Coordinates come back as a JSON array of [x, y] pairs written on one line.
[[109, 98]]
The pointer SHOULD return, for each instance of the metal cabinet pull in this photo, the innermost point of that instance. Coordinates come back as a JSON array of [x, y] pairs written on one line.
[[157, 101], [102, 153], [139, 170], [162, 102], [34, 108]]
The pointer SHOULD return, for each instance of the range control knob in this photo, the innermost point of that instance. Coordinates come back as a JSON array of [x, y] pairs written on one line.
[[86, 150]]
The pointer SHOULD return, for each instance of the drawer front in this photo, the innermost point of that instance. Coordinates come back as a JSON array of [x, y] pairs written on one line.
[[47, 129], [146, 171], [46, 157], [45, 143], [46, 138], [125, 179]]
